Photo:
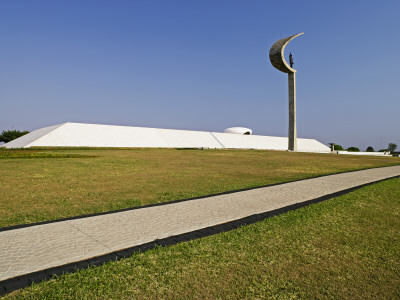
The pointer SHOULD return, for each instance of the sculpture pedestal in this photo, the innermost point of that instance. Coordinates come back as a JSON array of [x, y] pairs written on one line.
[[292, 112]]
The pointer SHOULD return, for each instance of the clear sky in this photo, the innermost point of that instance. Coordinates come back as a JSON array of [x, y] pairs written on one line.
[[203, 65]]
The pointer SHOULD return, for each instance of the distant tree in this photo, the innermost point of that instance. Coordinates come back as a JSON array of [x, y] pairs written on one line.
[[392, 147], [337, 147], [370, 149], [9, 135], [353, 149], [383, 150]]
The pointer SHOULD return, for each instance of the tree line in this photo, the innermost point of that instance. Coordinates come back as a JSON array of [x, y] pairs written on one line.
[[9, 135], [390, 148]]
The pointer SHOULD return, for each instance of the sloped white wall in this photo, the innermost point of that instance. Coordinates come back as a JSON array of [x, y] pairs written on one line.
[[25, 140], [93, 135], [237, 141], [311, 145], [188, 139]]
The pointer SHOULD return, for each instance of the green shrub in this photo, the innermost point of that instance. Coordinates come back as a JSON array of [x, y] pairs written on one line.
[[337, 147], [370, 149], [9, 135], [392, 147], [353, 149]]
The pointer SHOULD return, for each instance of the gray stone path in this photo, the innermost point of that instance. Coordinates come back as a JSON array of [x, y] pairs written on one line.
[[39, 247]]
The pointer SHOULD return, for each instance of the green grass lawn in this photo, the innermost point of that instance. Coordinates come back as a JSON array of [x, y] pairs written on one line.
[[47, 184], [343, 248]]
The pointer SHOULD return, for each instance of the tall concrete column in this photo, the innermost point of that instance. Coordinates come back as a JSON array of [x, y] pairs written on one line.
[[276, 56], [292, 112]]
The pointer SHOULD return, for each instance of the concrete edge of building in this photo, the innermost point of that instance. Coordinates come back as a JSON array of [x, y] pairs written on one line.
[[363, 153]]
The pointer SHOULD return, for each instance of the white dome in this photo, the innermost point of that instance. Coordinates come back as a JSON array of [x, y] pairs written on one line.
[[239, 130]]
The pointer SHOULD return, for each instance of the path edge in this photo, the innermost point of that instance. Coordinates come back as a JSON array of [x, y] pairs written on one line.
[[18, 226], [12, 284]]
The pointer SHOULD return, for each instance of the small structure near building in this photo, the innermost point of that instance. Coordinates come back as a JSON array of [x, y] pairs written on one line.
[[239, 130]]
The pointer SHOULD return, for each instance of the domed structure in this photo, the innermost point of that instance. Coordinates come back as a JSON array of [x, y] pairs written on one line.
[[239, 130]]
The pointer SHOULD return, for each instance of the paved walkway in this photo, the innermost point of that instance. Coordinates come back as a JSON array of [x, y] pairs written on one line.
[[40, 247]]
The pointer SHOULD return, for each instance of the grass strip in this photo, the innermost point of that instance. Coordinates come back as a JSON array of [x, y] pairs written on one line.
[[7, 155], [343, 248], [99, 180], [33, 153]]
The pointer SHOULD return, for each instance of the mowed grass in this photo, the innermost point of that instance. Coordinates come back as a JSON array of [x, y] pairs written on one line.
[[96, 180], [31, 153], [343, 248]]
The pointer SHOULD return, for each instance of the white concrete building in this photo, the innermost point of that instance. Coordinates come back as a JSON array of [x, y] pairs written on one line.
[[95, 135]]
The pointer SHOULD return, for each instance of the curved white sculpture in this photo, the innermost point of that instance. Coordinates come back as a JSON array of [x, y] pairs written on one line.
[[239, 130]]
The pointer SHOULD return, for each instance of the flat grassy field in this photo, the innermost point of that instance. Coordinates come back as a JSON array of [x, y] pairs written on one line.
[[47, 184], [343, 248]]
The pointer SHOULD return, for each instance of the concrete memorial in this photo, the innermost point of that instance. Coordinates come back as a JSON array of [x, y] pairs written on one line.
[[99, 135], [276, 56]]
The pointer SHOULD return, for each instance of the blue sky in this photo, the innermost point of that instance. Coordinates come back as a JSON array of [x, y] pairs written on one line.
[[203, 65]]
